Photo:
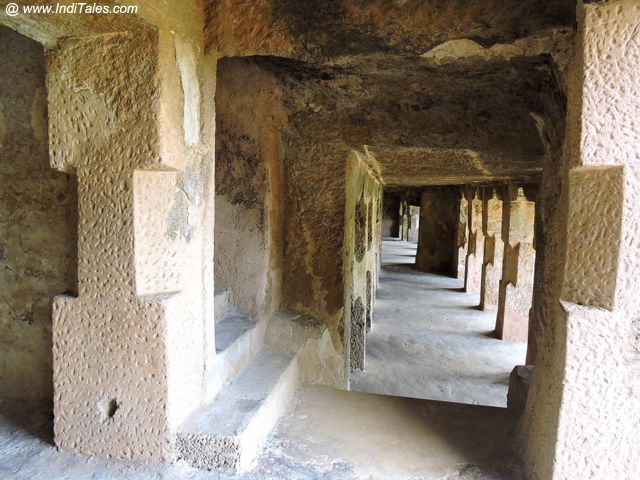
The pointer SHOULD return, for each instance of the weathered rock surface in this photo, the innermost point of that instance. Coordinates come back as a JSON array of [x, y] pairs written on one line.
[[331, 28], [37, 220]]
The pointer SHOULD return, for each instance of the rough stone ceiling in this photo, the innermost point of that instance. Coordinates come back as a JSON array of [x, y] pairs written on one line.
[[327, 29], [440, 91], [390, 101], [425, 124]]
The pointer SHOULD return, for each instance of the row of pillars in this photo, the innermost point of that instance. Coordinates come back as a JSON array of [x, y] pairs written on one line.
[[484, 235], [400, 219]]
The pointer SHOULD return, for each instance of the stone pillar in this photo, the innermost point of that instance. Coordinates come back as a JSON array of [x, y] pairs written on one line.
[[390, 216], [129, 349], [362, 193], [532, 194], [583, 412], [414, 223], [475, 249], [516, 285], [439, 211], [462, 239], [404, 221], [493, 250]]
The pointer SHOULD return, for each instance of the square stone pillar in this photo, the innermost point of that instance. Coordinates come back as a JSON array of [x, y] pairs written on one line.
[[414, 223], [362, 192], [493, 250], [462, 239], [583, 413], [404, 221], [475, 250], [129, 350], [516, 285], [439, 216]]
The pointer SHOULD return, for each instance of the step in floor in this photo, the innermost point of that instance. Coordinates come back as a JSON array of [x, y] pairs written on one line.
[[230, 328], [227, 434], [220, 301], [238, 339]]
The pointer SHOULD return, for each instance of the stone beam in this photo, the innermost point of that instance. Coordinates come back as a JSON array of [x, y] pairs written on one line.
[[465, 52], [335, 28], [441, 166]]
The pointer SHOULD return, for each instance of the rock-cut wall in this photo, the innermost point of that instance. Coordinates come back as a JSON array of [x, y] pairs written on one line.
[[249, 186], [37, 221]]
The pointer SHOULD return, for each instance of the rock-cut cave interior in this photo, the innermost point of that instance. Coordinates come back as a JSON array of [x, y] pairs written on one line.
[[317, 240]]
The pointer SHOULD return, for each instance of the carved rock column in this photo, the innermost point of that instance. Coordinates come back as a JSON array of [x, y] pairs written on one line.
[[516, 285], [493, 250], [462, 238], [585, 392], [475, 250], [129, 350], [439, 212]]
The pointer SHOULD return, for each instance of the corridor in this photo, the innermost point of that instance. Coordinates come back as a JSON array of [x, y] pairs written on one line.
[[200, 271], [429, 341]]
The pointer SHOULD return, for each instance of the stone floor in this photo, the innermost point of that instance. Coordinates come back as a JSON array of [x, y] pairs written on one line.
[[327, 434], [429, 341]]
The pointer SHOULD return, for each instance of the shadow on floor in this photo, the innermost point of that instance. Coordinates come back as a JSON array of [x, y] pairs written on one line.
[[405, 437], [35, 420]]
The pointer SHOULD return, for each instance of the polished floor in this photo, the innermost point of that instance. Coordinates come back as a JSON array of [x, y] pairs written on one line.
[[430, 341]]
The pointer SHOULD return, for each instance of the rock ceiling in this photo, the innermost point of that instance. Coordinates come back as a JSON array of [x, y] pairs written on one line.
[[438, 91]]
